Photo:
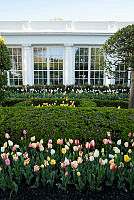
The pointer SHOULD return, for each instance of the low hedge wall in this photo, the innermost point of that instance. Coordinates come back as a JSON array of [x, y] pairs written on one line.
[[111, 103], [56, 122]]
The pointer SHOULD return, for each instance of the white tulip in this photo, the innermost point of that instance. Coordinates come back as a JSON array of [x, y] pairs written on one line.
[[52, 151], [91, 158], [119, 142], [96, 153], [2, 149], [10, 143]]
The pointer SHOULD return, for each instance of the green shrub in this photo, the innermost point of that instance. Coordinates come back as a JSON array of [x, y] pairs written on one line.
[[111, 103], [87, 103], [56, 122], [12, 101]]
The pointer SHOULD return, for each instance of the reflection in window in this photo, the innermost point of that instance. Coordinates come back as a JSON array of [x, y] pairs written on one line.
[[81, 66], [56, 65], [40, 66], [15, 74], [121, 74], [96, 69]]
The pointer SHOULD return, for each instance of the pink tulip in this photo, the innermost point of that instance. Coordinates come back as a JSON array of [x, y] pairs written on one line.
[[77, 142], [70, 141], [25, 155], [66, 173], [110, 141], [14, 148], [30, 145], [7, 162], [80, 147], [92, 143], [129, 134], [22, 138], [36, 168], [24, 132], [108, 134], [61, 142]]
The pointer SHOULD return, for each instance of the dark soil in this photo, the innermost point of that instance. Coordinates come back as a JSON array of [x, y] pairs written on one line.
[[47, 193]]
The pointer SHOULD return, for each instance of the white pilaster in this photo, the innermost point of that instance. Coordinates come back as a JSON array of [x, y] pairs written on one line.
[[68, 65], [28, 71]]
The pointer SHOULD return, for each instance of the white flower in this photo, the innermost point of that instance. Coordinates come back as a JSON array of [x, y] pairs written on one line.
[[66, 147], [67, 161], [10, 143], [111, 156], [119, 142], [116, 150], [91, 158], [16, 146], [52, 151], [19, 153], [2, 149], [106, 161], [96, 153], [33, 138], [41, 141]]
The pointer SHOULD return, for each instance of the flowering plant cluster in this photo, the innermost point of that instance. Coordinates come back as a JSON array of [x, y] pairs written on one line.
[[60, 101], [83, 165]]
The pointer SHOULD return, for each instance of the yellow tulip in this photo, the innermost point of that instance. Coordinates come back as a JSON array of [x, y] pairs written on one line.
[[129, 151], [111, 161], [42, 166], [63, 150], [5, 145], [102, 150], [127, 158], [0, 169], [78, 173], [53, 162], [48, 158]]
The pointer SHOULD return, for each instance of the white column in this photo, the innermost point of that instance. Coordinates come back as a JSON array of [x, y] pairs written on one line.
[[106, 78], [129, 76], [68, 73], [27, 70]]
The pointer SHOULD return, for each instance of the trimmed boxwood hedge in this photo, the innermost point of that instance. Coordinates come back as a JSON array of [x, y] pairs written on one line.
[[111, 103], [56, 122]]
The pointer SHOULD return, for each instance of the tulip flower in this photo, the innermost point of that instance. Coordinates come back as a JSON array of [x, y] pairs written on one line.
[[129, 134], [46, 163], [119, 142], [75, 148], [74, 164], [5, 145], [2, 149], [26, 162], [77, 142], [36, 168], [92, 143], [96, 153], [7, 136], [70, 141], [10, 143], [25, 155], [79, 160], [129, 151], [127, 158], [66, 173], [22, 138], [63, 165], [66, 147], [91, 158], [63, 150], [0, 169], [87, 145], [33, 138], [24, 132], [78, 173], [105, 141], [60, 141], [53, 162], [52, 151], [108, 134], [113, 166], [126, 144], [7, 162]]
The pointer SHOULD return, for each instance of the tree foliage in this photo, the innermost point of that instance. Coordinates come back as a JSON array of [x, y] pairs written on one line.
[[119, 48], [5, 61]]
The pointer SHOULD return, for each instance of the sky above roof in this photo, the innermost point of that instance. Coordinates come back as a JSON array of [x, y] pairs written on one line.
[[91, 10]]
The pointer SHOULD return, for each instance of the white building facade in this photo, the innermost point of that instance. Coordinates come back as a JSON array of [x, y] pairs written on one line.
[[59, 52]]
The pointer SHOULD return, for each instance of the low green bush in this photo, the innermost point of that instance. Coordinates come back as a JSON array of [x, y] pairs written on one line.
[[111, 103], [12, 101], [67, 122]]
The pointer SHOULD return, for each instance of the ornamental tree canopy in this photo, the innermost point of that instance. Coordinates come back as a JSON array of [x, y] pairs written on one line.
[[119, 49], [5, 61]]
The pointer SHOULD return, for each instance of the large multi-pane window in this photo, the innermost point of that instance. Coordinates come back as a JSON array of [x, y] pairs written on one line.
[[97, 67], [40, 66], [121, 76], [15, 74], [56, 65], [48, 65], [81, 65]]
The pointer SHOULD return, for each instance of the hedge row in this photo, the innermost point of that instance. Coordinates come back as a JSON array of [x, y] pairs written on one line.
[[78, 102], [111, 103], [57, 122]]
